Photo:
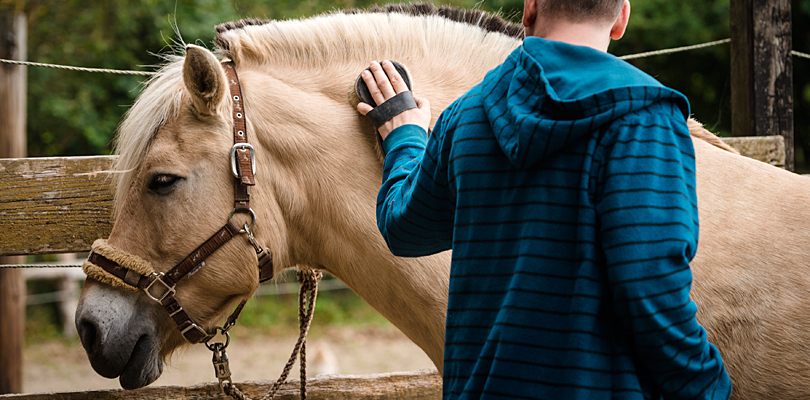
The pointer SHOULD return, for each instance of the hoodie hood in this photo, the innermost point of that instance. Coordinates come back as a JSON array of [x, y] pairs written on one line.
[[548, 94]]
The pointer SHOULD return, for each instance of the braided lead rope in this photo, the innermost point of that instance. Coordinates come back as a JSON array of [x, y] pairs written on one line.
[[308, 279], [80, 69]]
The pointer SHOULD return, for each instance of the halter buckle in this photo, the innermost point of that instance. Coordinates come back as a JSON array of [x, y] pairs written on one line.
[[166, 289], [240, 146], [201, 337]]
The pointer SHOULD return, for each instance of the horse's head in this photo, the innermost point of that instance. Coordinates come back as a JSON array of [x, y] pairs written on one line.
[[175, 191]]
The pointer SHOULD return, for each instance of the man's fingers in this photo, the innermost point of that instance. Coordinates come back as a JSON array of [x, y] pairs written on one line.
[[396, 79], [383, 83], [373, 89], [364, 108]]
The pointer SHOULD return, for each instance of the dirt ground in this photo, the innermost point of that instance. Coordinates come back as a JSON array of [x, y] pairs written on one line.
[[60, 366]]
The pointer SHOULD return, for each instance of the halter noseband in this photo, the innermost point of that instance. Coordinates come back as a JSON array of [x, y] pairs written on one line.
[[127, 271]]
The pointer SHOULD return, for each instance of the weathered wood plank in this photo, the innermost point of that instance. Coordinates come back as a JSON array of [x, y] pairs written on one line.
[[61, 205], [762, 70], [54, 205], [769, 149], [423, 384]]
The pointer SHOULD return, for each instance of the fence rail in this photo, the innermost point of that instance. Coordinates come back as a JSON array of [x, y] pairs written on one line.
[[54, 205], [423, 384], [63, 204]]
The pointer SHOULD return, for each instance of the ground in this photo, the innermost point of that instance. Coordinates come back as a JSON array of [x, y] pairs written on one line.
[[62, 365]]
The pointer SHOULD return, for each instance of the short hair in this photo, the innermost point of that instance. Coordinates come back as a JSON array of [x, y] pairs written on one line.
[[582, 10]]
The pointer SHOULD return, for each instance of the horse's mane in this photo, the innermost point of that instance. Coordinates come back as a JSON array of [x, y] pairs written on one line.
[[343, 37], [479, 18], [697, 130]]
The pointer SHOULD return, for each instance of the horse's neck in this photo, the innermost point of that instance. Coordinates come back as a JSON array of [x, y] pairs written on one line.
[[335, 176], [324, 172]]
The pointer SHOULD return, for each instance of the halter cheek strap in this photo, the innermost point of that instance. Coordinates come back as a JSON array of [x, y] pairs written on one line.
[[129, 272]]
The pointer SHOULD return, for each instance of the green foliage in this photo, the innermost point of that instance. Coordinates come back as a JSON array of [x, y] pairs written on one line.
[[275, 314], [76, 113], [332, 308], [42, 320], [702, 75]]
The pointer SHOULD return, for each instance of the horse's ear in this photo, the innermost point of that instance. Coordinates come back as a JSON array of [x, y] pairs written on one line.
[[204, 79]]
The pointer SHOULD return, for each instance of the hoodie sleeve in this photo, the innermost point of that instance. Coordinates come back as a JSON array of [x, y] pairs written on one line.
[[647, 210], [414, 210]]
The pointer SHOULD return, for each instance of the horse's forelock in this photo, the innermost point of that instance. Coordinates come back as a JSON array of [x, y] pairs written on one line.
[[159, 102]]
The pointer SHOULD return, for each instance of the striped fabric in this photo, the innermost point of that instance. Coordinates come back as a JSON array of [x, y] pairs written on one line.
[[564, 183]]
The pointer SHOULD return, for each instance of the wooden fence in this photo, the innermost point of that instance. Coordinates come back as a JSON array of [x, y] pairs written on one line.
[[61, 205], [426, 384]]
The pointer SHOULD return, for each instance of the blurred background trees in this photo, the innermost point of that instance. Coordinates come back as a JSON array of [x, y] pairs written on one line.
[[76, 113]]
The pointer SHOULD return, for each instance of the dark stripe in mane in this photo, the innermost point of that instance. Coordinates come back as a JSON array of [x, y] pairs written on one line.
[[482, 19]]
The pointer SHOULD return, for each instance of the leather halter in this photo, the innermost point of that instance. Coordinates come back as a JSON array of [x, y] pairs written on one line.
[[161, 287]]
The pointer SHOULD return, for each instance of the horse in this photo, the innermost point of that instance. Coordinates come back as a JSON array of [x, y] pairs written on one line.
[[318, 170]]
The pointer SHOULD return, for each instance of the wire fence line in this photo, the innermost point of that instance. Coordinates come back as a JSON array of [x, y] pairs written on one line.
[[674, 50], [80, 69], [43, 265], [150, 73], [291, 287]]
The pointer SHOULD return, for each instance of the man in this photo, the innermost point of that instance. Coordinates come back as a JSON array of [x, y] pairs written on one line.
[[564, 183]]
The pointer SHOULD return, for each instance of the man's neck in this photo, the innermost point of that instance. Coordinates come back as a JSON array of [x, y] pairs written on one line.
[[580, 34]]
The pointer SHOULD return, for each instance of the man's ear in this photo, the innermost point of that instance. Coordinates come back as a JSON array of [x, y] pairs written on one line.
[[529, 16], [620, 25]]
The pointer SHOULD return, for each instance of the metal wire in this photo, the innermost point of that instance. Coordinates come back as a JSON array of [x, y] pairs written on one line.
[[40, 266], [797, 54], [148, 73], [80, 69], [674, 50]]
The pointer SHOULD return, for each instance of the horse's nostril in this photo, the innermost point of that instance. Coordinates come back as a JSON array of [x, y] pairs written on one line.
[[88, 333]]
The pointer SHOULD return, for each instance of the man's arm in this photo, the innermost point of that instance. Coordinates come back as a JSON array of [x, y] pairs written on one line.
[[414, 213], [414, 207], [647, 209]]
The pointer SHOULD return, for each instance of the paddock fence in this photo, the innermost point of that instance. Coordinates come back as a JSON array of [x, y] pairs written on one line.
[[54, 205], [62, 204], [417, 385]]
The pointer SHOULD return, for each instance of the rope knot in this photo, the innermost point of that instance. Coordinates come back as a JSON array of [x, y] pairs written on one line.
[[308, 279]]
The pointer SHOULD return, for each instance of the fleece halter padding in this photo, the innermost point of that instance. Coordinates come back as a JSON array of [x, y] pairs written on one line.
[[120, 257]]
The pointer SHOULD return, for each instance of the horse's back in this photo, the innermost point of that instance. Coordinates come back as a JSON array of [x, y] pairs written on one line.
[[750, 269]]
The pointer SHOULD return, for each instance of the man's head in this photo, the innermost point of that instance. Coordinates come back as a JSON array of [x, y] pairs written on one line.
[[581, 10], [599, 19]]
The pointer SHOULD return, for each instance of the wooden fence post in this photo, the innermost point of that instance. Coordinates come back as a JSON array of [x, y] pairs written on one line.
[[762, 71], [12, 144]]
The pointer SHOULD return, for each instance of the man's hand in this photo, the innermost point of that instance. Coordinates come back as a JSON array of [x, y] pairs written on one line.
[[382, 89]]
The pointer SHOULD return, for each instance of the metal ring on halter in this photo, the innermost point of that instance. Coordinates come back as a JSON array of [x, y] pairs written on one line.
[[227, 339], [252, 221]]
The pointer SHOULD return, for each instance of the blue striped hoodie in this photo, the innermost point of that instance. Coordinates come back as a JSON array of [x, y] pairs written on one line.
[[564, 183]]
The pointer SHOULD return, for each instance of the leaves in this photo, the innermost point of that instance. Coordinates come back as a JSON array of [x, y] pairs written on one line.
[[76, 113]]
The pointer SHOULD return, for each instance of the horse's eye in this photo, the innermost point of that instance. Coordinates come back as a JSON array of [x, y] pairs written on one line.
[[163, 183]]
